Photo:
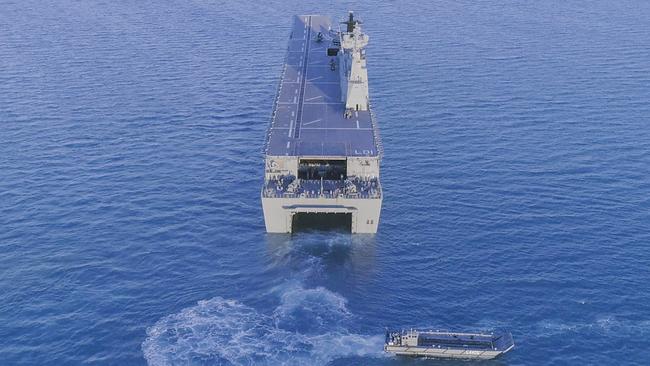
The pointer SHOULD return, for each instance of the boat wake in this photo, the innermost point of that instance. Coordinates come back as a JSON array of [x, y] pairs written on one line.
[[305, 329], [303, 326]]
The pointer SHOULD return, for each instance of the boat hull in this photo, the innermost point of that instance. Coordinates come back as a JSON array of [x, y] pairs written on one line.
[[432, 352]]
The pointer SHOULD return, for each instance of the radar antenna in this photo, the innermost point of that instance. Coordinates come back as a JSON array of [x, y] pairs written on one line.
[[351, 22]]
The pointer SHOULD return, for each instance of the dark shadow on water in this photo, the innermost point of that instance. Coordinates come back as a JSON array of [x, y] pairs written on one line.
[[311, 222]]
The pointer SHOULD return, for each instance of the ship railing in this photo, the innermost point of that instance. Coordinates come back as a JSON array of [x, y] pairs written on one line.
[[276, 100], [375, 131], [267, 137], [290, 187]]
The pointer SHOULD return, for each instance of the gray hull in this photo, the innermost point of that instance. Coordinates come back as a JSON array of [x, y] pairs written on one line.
[[443, 352]]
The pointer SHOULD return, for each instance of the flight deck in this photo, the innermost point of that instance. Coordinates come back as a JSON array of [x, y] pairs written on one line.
[[309, 116]]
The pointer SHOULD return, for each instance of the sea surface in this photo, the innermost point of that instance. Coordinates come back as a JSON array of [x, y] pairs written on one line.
[[516, 177]]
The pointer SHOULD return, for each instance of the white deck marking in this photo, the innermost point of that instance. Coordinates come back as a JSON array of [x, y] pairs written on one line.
[[332, 103], [326, 93], [336, 128]]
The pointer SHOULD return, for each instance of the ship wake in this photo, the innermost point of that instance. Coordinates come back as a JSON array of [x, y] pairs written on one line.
[[305, 329], [307, 326]]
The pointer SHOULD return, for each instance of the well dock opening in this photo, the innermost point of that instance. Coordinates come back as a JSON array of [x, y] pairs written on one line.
[[321, 221]]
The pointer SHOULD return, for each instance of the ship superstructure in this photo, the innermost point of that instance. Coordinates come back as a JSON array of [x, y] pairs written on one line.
[[322, 150]]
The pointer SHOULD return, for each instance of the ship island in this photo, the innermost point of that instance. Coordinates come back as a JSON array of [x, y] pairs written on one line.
[[322, 149]]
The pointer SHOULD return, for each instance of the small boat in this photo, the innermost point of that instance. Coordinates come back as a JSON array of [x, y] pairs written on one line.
[[444, 344]]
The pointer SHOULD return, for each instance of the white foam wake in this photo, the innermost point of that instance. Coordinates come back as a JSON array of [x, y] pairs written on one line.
[[307, 328]]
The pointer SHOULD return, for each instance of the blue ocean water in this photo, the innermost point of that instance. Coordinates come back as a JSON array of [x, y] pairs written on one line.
[[516, 178]]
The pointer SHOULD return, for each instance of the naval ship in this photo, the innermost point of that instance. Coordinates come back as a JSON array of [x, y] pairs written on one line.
[[322, 149], [443, 344]]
